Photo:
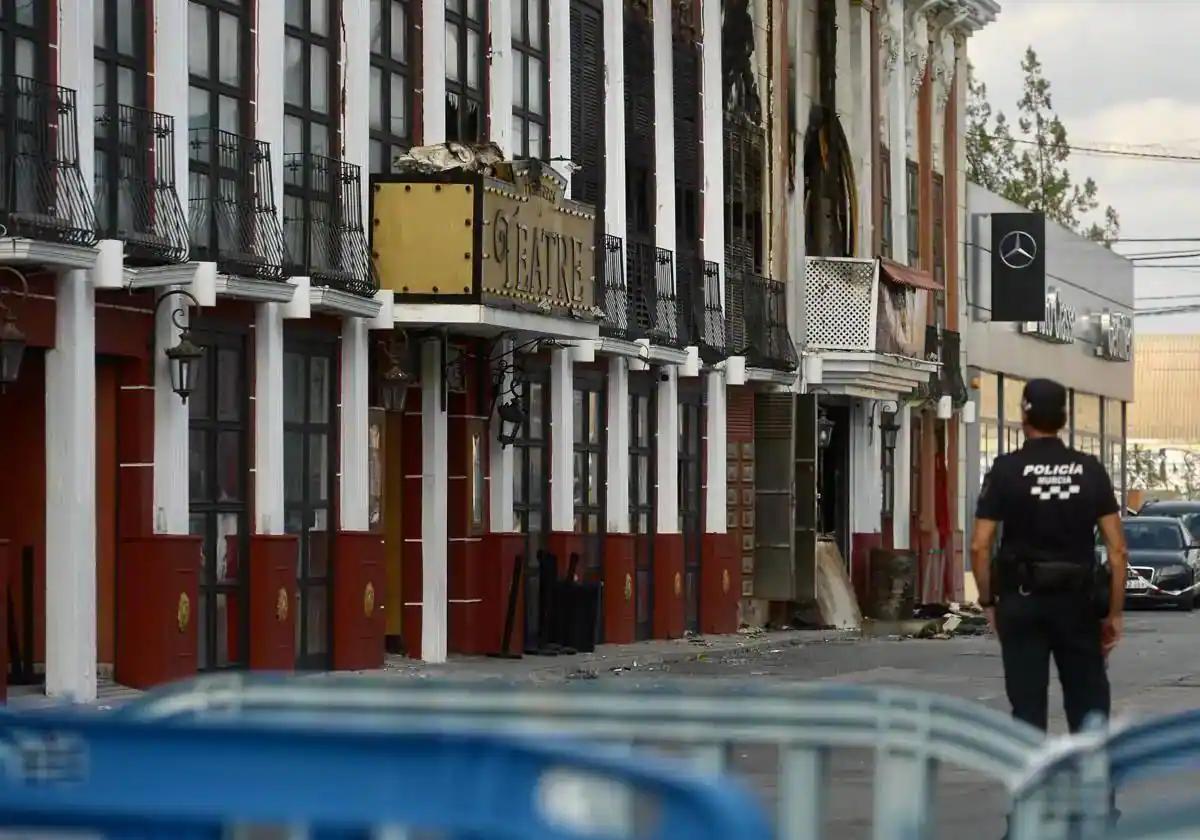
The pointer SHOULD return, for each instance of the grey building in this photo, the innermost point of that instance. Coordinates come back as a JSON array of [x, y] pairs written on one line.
[[1084, 341]]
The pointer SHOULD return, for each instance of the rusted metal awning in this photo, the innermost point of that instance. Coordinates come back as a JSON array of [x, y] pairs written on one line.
[[906, 276]]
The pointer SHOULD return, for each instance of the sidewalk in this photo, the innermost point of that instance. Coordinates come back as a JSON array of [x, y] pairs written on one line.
[[657, 655]]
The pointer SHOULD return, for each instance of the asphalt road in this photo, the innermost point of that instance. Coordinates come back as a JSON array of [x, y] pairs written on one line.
[[1156, 670]]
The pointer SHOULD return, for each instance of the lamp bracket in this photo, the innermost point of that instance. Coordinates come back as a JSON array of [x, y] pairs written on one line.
[[6, 311]]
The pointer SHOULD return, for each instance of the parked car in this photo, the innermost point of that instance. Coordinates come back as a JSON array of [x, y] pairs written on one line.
[[1164, 561], [1186, 511]]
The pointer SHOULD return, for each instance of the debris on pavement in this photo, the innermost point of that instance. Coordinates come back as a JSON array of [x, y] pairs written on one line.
[[949, 620]]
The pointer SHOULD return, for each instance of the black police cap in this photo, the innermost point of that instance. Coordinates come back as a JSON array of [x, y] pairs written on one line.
[[1044, 402]]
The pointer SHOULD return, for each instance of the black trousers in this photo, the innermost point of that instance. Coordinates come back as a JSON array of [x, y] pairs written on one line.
[[1033, 629]]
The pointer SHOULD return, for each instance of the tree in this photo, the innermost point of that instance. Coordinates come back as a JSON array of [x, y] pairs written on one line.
[[1030, 168]]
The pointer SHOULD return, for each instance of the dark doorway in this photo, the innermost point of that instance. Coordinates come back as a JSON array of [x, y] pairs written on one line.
[[309, 487], [591, 453], [531, 484], [691, 494], [834, 507], [218, 473], [643, 475]]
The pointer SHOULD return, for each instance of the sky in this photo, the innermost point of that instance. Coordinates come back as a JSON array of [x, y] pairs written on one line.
[[1120, 79]]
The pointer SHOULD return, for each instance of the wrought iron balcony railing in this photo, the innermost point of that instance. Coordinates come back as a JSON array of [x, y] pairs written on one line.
[[611, 290], [756, 320], [666, 319], [231, 204], [43, 194], [701, 321], [642, 285], [944, 347], [136, 200], [323, 224]]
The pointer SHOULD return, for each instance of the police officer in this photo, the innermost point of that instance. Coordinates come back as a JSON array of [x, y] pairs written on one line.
[[1040, 594]]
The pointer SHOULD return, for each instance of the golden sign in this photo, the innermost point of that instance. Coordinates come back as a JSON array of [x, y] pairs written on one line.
[[678, 584], [281, 605], [725, 582], [369, 600], [538, 248], [183, 613], [628, 586]]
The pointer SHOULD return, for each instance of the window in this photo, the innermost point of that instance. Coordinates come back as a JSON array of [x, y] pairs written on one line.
[[220, 66], [393, 47], [939, 229], [531, 487], [23, 41], [587, 105], [531, 78], [466, 71], [309, 92], [590, 446], [913, 198], [121, 63], [885, 192], [642, 478]]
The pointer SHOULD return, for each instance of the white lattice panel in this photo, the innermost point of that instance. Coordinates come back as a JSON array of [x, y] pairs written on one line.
[[840, 301]]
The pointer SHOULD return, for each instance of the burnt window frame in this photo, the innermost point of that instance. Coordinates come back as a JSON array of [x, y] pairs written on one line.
[[740, 130], [939, 229], [467, 17], [37, 33], [912, 195], [242, 92], [523, 50], [641, 192], [388, 71], [886, 237]]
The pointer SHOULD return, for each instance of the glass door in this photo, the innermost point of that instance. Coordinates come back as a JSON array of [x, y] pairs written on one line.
[[309, 444], [590, 450], [642, 478], [531, 486]]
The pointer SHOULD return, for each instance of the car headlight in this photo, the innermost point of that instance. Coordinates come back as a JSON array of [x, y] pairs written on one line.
[[1170, 571]]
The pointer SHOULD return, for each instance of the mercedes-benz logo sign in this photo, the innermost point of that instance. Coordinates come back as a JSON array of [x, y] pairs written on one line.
[[1018, 249]]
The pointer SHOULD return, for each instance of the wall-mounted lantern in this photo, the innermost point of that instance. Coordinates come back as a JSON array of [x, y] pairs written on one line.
[[889, 429], [12, 340], [506, 387], [512, 418], [396, 376], [824, 430], [185, 356]]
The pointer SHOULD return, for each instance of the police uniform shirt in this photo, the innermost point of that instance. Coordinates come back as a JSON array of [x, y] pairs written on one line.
[[1048, 497]]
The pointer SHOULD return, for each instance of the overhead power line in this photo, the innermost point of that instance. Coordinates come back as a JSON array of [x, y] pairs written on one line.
[[1120, 152]]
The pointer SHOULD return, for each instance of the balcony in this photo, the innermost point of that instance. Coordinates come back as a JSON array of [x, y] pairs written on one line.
[[323, 224], [866, 320], [611, 290], [701, 321], [43, 194], [946, 347], [136, 200], [231, 205], [756, 320]]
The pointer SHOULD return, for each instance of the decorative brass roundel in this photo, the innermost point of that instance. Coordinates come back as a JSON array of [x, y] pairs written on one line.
[[678, 584], [183, 613], [369, 600], [628, 586], [281, 605], [725, 582]]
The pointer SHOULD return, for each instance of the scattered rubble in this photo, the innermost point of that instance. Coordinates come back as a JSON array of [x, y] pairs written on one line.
[[951, 620]]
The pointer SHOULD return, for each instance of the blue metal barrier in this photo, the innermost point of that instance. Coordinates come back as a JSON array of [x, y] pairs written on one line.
[[911, 733], [142, 779]]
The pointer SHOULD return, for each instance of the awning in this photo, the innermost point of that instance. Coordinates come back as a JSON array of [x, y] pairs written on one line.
[[906, 276]]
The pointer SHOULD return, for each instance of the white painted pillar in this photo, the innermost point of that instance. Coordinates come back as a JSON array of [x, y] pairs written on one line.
[[562, 442], [355, 510], [614, 119], [356, 71], [71, 491], [902, 497], [500, 462], [617, 471], [171, 449], [716, 446], [712, 134], [433, 72], [664, 129], [268, 104], [434, 488], [897, 103], [76, 43], [268, 419], [866, 468], [560, 85], [171, 80], [795, 257], [667, 446], [862, 133], [500, 82]]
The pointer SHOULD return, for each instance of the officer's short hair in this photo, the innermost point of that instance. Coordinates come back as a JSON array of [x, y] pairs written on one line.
[[1044, 403]]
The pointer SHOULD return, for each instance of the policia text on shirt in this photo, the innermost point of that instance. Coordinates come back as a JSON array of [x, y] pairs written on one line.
[[1041, 589]]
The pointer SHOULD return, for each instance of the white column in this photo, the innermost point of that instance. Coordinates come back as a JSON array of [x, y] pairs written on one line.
[[171, 81], [897, 103], [902, 496], [795, 200], [433, 72], [866, 470], [171, 449], [500, 461], [434, 486], [714, 453], [268, 105], [712, 133], [355, 427], [664, 129], [614, 118], [562, 442], [71, 490], [356, 70], [500, 88], [560, 84], [76, 71], [667, 433], [862, 132], [268, 419], [617, 496]]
